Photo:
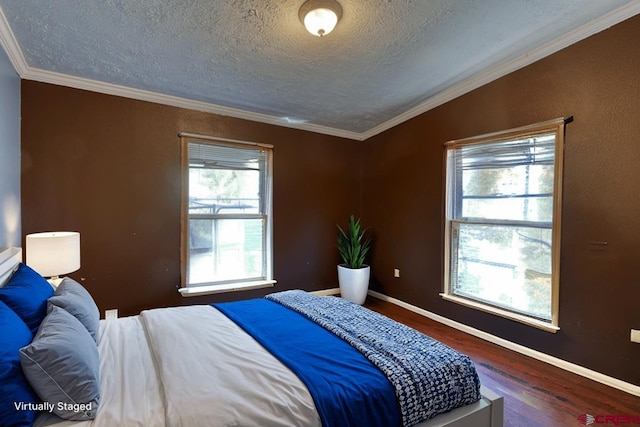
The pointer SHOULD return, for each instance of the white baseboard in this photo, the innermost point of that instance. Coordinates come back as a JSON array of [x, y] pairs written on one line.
[[563, 364]]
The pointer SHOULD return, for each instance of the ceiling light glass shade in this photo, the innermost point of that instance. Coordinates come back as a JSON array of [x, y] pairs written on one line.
[[320, 16], [320, 22]]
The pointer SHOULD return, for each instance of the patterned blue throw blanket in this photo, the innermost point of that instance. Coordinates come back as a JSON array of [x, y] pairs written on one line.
[[429, 377]]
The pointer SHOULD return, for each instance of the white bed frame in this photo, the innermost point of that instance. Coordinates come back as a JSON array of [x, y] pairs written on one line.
[[9, 260], [487, 412]]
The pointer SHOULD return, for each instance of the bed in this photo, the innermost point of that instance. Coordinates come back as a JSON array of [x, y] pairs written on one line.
[[250, 363]]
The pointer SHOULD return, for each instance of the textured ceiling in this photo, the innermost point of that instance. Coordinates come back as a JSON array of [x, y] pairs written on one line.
[[385, 57]]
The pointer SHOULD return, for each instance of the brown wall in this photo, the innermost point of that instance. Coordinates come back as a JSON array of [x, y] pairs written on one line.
[[109, 167], [598, 82]]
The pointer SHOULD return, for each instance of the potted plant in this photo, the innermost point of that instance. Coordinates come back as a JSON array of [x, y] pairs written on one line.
[[353, 273]]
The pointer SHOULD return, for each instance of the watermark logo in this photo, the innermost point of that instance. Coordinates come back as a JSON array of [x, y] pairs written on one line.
[[586, 419], [616, 420]]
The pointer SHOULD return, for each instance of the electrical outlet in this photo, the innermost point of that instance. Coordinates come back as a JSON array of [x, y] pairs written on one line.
[[111, 314], [396, 272], [635, 335]]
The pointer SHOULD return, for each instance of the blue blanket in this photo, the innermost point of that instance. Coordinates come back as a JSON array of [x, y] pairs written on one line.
[[346, 388], [428, 377]]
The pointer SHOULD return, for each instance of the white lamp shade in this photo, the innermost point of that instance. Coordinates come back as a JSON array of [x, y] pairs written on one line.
[[320, 22], [53, 254]]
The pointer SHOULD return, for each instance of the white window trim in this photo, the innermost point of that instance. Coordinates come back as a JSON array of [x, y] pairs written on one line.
[[540, 324], [187, 290], [194, 291], [556, 126]]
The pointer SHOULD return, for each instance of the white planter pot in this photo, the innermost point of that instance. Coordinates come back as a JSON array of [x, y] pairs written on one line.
[[354, 283]]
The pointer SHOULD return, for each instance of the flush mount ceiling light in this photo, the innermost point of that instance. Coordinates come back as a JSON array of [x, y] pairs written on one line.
[[320, 16]]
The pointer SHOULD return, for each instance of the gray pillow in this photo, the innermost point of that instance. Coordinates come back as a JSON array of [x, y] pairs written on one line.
[[62, 365], [75, 299]]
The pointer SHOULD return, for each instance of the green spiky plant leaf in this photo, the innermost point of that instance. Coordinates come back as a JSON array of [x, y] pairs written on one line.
[[352, 244]]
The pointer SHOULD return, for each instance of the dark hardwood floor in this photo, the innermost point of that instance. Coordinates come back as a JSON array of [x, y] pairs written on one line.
[[535, 393]]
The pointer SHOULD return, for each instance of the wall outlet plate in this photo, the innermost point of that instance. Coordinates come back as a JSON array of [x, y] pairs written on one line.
[[635, 335], [111, 314], [396, 272]]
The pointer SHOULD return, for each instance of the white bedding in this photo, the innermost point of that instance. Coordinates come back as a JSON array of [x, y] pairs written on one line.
[[130, 393], [199, 369], [220, 375]]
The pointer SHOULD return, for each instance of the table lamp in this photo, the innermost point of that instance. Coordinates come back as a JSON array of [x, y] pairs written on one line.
[[53, 253]]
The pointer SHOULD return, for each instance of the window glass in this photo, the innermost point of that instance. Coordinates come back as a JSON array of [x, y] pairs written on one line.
[[505, 265], [228, 213], [225, 249], [503, 216]]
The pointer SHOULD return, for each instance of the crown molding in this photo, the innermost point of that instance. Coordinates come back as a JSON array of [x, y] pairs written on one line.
[[175, 101], [14, 52], [599, 24], [11, 46]]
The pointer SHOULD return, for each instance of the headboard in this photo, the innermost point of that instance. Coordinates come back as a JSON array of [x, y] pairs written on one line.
[[9, 260]]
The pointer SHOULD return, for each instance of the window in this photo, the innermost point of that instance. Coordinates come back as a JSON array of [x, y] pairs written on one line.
[[226, 215], [502, 240]]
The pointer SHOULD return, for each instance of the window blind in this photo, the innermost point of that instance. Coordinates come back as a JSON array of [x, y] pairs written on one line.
[[539, 150], [226, 157]]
